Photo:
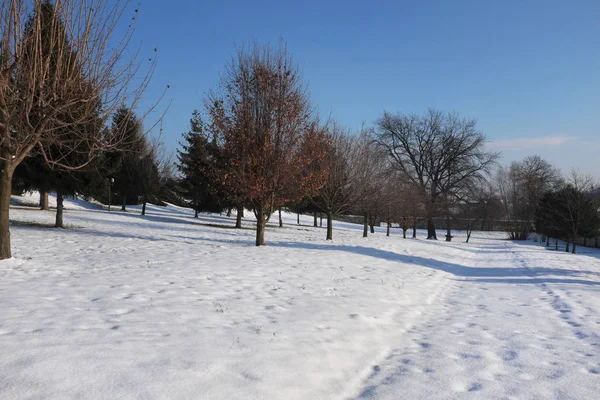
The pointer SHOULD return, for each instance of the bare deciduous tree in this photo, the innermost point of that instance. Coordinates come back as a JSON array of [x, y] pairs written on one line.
[[59, 73], [437, 152], [521, 187], [370, 182], [337, 196]]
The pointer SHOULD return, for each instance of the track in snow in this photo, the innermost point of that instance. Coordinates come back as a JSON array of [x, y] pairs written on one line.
[[519, 332]]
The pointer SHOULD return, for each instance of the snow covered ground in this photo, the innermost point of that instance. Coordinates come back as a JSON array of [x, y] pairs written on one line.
[[166, 306]]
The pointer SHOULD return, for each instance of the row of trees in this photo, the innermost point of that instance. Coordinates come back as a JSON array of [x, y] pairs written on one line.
[[64, 73], [259, 144], [137, 172]]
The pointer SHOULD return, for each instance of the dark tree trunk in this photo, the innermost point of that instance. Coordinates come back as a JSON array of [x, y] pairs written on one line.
[[196, 213], [59, 210], [404, 232], [261, 222], [329, 226], [315, 221], [280, 219], [415, 230], [484, 219], [298, 218], [239, 216], [5, 190], [431, 235], [44, 204], [365, 225], [448, 230], [372, 225], [574, 245], [548, 241], [229, 212], [556, 244], [468, 236], [144, 207], [124, 205], [567, 248], [388, 228]]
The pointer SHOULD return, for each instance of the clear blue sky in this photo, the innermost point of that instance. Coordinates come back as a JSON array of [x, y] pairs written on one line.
[[528, 71]]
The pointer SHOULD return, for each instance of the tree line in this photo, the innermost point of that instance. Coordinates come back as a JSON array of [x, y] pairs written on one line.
[[257, 143]]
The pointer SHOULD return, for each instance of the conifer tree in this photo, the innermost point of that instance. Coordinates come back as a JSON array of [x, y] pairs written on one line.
[[197, 161], [125, 163]]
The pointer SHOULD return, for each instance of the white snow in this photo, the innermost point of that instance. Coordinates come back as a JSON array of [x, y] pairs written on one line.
[[167, 306]]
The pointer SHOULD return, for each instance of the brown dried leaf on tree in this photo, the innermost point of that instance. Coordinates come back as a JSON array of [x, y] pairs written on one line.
[[273, 144]]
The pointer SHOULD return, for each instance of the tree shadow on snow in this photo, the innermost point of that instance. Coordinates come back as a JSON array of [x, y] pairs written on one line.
[[531, 275]]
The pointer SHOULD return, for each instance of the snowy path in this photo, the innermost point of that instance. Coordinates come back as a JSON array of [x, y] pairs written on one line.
[[525, 331], [166, 306]]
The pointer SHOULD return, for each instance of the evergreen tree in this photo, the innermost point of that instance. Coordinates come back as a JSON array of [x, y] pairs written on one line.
[[35, 173], [197, 161], [125, 164], [148, 177]]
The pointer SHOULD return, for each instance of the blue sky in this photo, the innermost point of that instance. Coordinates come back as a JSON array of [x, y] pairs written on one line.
[[528, 71]]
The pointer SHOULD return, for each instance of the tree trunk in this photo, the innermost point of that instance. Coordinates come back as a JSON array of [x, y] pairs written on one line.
[[196, 213], [431, 235], [260, 228], [548, 241], [468, 236], [44, 204], [298, 218], [404, 232], [238, 218], [448, 231], [5, 190], [315, 221], [280, 219], [365, 225], [567, 248], [124, 205], [329, 226], [574, 245], [556, 244], [144, 207], [59, 210], [372, 225], [388, 228], [415, 230], [229, 212]]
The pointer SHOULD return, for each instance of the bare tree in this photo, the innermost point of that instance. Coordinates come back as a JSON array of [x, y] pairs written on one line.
[[473, 205], [337, 196], [47, 87], [371, 180], [436, 151], [521, 187], [580, 213]]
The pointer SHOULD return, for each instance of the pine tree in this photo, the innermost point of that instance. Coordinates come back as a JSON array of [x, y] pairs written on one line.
[[125, 164], [197, 161]]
